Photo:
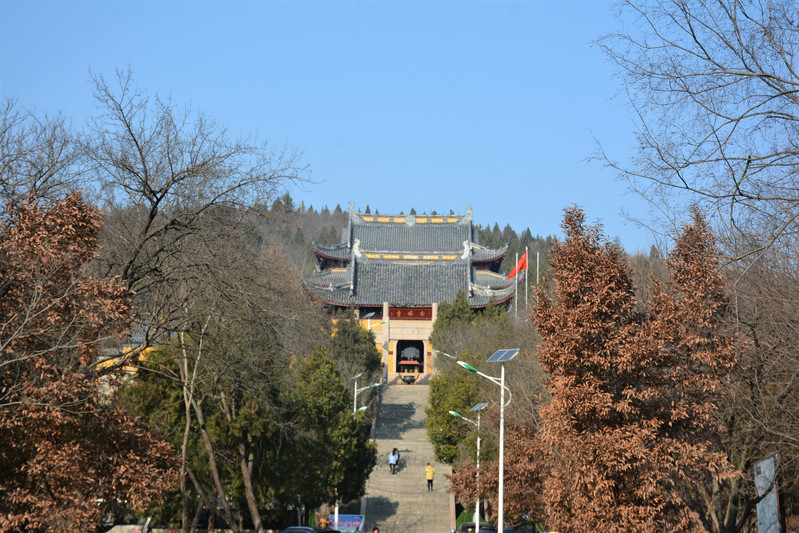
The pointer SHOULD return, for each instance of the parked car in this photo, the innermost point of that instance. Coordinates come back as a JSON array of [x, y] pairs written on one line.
[[519, 529], [308, 529], [468, 527]]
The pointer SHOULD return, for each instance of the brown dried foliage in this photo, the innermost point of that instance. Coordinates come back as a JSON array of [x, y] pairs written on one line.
[[64, 446], [630, 436]]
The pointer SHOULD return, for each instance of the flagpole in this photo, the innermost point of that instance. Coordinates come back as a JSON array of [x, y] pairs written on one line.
[[536, 269], [516, 291], [526, 283], [536, 277]]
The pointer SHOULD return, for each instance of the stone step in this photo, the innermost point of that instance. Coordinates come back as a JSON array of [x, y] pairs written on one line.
[[401, 501]]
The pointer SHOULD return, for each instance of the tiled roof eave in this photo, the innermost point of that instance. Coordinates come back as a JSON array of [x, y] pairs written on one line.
[[331, 296], [481, 254], [496, 302], [341, 252], [489, 259]]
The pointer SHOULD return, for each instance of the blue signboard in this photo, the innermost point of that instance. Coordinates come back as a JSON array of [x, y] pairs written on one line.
[[768, 510], [347, 522]]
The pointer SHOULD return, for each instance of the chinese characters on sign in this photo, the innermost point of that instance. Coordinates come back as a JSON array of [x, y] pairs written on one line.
[[402, 313]]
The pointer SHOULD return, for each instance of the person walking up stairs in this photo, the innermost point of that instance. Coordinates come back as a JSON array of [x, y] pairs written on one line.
[[402, 502]]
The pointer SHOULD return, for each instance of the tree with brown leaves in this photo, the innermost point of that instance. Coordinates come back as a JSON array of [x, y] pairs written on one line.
[[524, 468], [630, 435], [69, 454], [693, 353]]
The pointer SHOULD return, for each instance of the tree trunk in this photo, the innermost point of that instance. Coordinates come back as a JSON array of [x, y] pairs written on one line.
[[188, 399], [245, 462], [214, 468]]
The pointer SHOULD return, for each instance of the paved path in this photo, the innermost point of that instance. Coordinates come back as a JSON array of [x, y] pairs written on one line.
[[401, 503]]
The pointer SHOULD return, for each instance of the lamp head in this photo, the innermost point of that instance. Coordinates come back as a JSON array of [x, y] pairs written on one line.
[[467, 366], [455, 413]]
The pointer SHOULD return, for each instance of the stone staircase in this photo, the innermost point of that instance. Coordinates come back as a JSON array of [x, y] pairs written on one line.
[[401, 502]]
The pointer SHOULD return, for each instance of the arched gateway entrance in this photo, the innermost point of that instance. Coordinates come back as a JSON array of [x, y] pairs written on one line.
[[410, 357]]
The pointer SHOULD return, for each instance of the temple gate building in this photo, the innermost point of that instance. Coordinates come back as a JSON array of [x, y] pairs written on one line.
[[395, 270]]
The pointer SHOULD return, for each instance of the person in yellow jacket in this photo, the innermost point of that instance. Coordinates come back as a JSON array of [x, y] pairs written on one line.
[[429, 472]]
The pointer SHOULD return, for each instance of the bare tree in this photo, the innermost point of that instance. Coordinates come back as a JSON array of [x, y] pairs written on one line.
[[39, 155], [165, 168], [183, 202], [769, 394], [715, 89], [236, 323]]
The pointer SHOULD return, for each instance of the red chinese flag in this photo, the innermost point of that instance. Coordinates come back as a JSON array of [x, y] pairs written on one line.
[[521, 266]]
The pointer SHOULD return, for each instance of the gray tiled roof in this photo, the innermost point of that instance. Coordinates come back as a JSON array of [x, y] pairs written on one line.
[[481, 254], [338, 277], [408, 283], [492, 280], [482, 297], [337, 251], [413, 260], [399, 237]]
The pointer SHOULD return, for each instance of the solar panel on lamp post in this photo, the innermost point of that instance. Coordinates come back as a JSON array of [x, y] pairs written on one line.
[[368, 317], [479, 407], [500, 356]]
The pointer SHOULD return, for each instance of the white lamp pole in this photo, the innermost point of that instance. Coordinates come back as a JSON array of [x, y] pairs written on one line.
[[355, 395], [479, 407], [368, 317], [500, 356], [355, 408], [500, 522], [446, 355]]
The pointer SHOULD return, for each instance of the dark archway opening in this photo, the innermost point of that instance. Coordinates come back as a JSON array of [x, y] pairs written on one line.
[[411, 356]]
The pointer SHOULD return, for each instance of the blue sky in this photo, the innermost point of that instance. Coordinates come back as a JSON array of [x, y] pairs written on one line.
[[430, 105]]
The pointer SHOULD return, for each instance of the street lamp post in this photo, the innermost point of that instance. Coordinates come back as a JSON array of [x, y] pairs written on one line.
[[368, 317], [355, 407], [500, 356], [479, 407], [355, 393], [446, 355]]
